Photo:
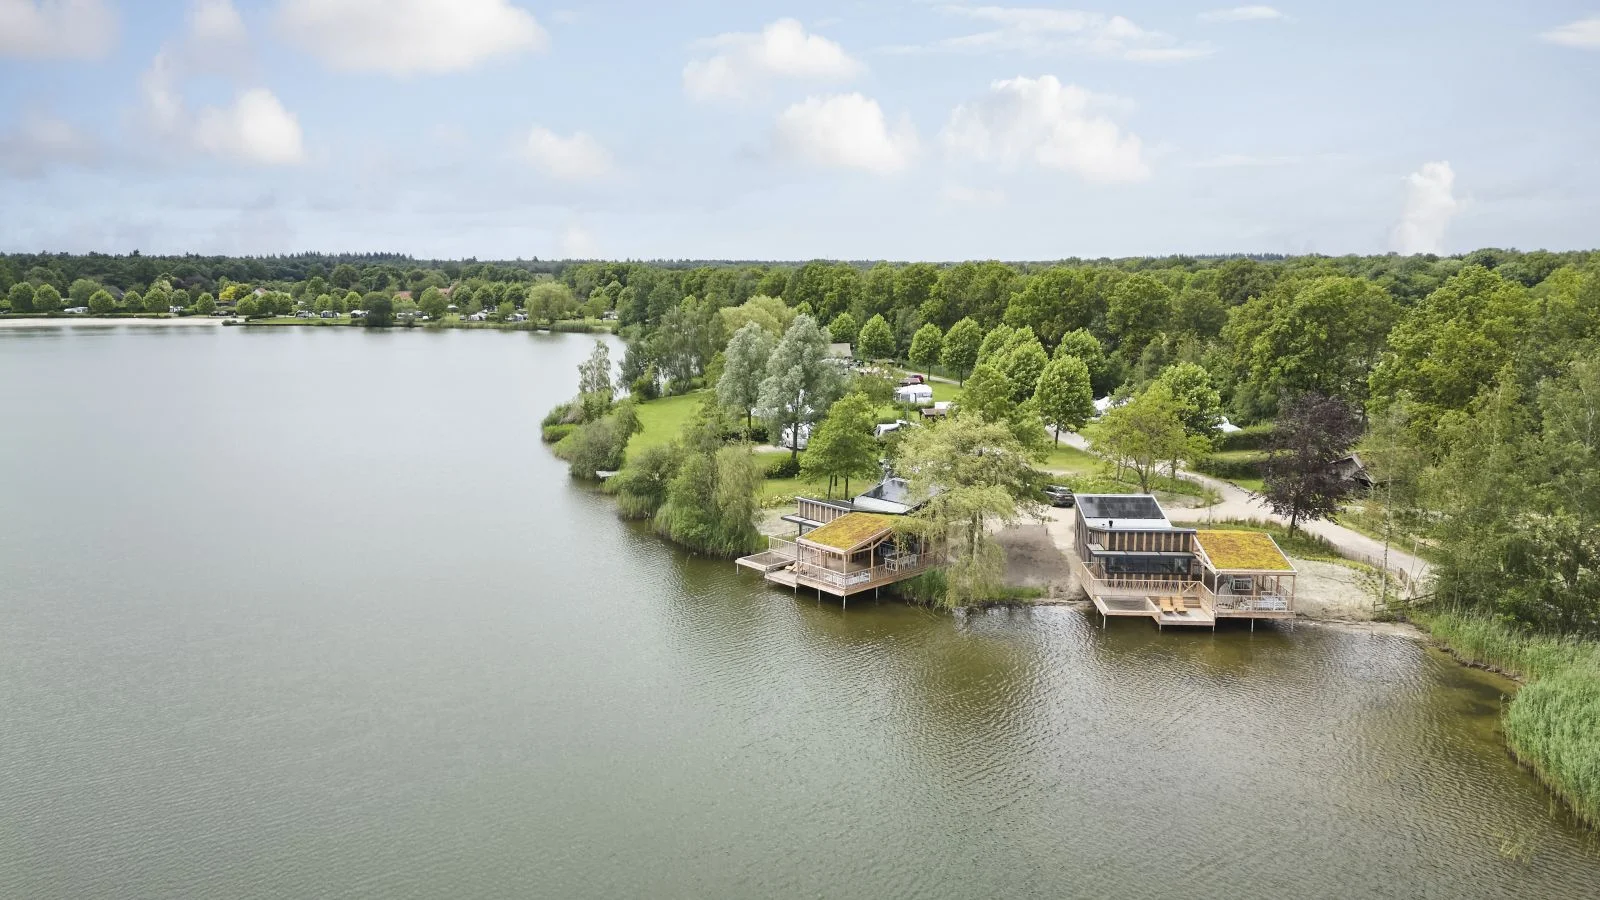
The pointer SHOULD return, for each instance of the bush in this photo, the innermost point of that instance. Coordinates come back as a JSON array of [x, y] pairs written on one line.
[[1253, 437], [1229, 468], [554, 433], [641, 487], [788, 467], [562, 414], [645, 387]]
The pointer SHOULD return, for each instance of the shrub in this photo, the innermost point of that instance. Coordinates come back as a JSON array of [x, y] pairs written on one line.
[[1253, 437], [554, 433], [641, 486], [787, 467], [1231, 467]]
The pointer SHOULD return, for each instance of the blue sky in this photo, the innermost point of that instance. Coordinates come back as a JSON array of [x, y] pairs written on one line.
[[899, 130]]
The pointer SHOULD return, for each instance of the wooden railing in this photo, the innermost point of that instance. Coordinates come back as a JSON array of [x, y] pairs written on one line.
[[781, 547], [881, 573], [819, 510]]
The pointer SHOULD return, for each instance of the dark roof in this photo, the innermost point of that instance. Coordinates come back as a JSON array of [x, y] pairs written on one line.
[[1119, 506]]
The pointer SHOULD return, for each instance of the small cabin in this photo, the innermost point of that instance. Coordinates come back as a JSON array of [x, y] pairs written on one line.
[[1132, 561], [844, 547]]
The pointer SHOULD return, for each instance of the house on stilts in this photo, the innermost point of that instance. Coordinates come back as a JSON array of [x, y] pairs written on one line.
[[847, 547], [1132, 561]]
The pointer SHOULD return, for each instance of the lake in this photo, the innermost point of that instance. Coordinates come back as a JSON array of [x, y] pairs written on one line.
[[312, 613]]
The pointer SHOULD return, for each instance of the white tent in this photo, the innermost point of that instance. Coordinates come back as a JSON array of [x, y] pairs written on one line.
[[1227, 427], [914, 394]]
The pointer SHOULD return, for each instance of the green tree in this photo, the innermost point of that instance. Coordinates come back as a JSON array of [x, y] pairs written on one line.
[[843, 329], [1143, 433], [990, 394], [1023, 363], [996, 341], [81, 290], [158, 299], [976, 475], [769, 312], [1323, 334], [1139, 307], [352, 301], [1199, 312], [549, 301], [1451, 346], [433, 304], [960, 351], [744, 367], [21, 296], [101, 302], [926, 345], [46, 299], [641, 486], [1064, 396], [843, 444], [345, 276], [800, 384], [1198, 404], [1241, 279], [380, 309], [205, 304], [711, 502], [1053, 302], [248, 306], [875, 341], [595, 385], [1085, 346]]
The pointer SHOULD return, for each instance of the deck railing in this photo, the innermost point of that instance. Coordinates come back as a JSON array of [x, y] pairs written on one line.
[[781, 547], [880, 573]]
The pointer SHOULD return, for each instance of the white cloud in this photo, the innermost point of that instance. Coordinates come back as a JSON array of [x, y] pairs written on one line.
[[844, 131], [255, 129], [215, 21], [46, 29], [401, 37], [744, 62], [39, 142], [576, 242], [1053, 125], [576, 158], [1055, 31], [1430, 205], [963, 195], [1242, 14], [1583, 34]]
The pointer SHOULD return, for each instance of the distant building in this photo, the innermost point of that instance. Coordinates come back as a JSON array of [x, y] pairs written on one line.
[[1351, 468]]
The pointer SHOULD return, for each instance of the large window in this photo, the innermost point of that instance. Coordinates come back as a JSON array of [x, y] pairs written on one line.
[[1146, 564]]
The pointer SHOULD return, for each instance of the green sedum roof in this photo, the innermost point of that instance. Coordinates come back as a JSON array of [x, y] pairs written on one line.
[[1249, 551], [851, 530]]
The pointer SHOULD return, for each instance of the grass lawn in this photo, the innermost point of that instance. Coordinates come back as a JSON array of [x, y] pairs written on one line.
[[663, 420], [1071, 461]]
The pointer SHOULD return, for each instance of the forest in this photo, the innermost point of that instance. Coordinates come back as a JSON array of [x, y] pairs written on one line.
[[1469, 378]]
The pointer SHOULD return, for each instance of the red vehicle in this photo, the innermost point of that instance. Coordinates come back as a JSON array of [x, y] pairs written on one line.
[[913, 378]]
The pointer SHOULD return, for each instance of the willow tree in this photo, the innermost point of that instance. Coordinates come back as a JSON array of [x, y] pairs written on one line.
[[744, 365], [801, 383], [977, 475]]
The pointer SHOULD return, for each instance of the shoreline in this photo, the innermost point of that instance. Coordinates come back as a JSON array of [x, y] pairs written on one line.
[[102, 321]]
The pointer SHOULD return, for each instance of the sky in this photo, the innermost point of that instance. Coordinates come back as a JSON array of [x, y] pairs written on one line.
[[500, 129]]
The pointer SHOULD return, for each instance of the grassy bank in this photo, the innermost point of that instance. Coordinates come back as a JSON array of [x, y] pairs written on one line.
[[1553, 724]]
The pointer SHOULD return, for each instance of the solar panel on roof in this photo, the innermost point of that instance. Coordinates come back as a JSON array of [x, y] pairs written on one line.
[[1119, 507]]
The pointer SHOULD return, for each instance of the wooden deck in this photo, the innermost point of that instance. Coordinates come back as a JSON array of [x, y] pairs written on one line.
[[1141, 598], [778, 565]]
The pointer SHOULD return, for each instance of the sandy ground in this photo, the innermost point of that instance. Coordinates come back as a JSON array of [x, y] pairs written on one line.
[[1036, 556], [79, 321]]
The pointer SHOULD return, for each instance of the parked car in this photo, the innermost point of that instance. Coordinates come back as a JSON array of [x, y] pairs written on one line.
[[911, 379], [1060, 495]]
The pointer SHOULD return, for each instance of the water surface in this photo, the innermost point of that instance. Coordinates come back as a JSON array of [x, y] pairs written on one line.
[[293, 613]]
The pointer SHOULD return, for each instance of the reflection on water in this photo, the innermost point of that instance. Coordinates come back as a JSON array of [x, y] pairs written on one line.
[[318, 616]]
